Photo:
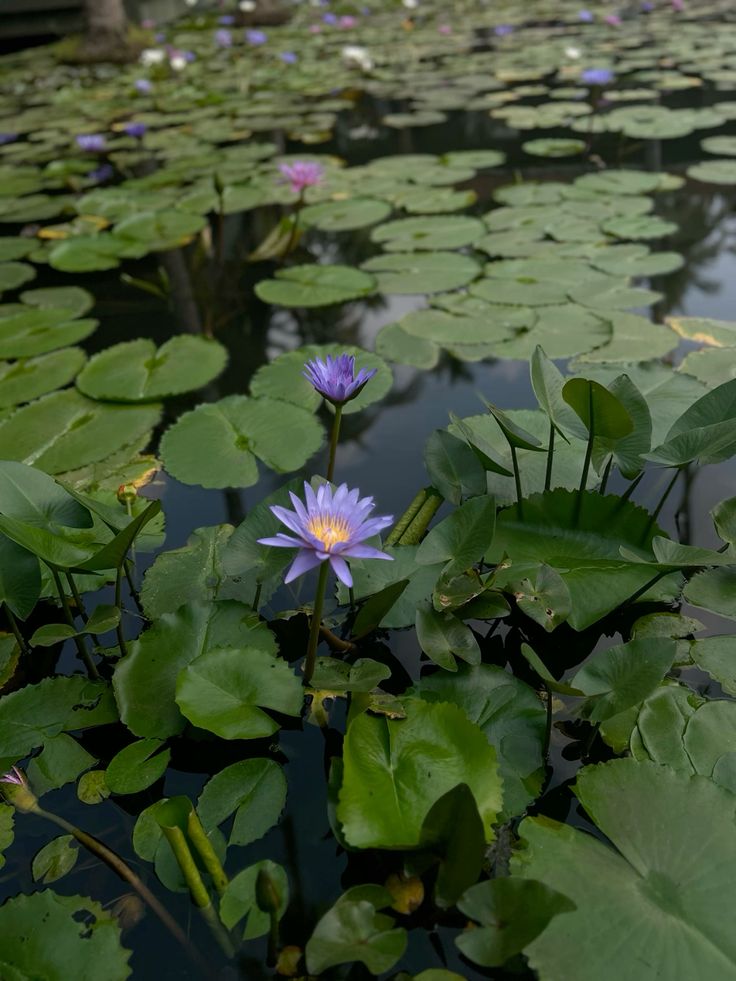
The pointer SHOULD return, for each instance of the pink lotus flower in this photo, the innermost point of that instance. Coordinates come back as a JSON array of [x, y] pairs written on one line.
[[301, 174], [14, 777], [445, 29], [613, 20]]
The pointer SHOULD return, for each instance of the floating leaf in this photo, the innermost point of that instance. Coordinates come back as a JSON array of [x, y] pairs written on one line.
[[136, 371], [253, 790], [420, 272], [315, 286]]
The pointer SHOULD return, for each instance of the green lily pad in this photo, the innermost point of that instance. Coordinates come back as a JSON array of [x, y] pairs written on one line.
[[721, 172], [14, 274], [28, 332], [315, 286], [343, 216], [283, 377], [551, 147], [29, 378], [421, 272], [65, 430], [136, 371], [216, 444], [428, 234]]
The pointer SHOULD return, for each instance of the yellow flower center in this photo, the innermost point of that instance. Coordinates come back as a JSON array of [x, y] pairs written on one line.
[[329, 529]]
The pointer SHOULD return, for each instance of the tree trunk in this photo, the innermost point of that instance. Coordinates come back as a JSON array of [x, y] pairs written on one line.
[[106, 38]]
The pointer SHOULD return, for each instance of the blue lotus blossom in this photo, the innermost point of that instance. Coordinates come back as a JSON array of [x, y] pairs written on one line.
[[597, 76], [329, 18], [227, 20], [91, 142], [335, 378], [136, 130], [256, 37], [331, 528], [501, 30], [586, 16], [8, 138], [143, 86], [101, 174], [289, 57], [223, 38]]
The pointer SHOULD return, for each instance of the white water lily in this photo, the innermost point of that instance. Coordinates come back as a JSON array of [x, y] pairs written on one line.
[[247, 6], [572, 52], [410, 4], [178, 62], [152, 56], [355, 56]]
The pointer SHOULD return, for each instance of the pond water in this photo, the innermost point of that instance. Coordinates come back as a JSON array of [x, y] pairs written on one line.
[[382, 448]]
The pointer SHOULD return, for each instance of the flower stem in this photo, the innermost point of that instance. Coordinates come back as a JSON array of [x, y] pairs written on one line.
[[206, 852], [113, 861], [295, 226], [334, 436], [319, 600], [606, 475], [78, 641], [655, 514], [517, 480], [118, 602], [406, 518], [19, 638], [550, 457], [77, 598], [588, 457]]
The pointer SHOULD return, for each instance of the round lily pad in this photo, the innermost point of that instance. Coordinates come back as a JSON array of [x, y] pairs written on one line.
[[14, 274], [216, 444], [551, 147], [29, 378], [283, 378], [135, 371], [421, 272], [341, 216], [420, 234], [714, 172], [315, 286]]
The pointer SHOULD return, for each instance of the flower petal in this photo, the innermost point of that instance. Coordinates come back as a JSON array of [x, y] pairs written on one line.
[[364, 552], [305, 560], [341, 569]]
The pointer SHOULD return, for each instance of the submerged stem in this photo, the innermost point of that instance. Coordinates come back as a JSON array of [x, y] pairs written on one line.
[[118, 602], [77, 597], [334, 436], [319, 600], [113, 861], [19, 638], [655, 514], [588, 456], [606, 475], [78, 641]]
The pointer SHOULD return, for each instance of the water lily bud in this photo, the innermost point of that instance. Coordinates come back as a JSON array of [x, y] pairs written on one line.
[[407, 893], [17, 791], [287, 964], [268, 897], [126, 493]]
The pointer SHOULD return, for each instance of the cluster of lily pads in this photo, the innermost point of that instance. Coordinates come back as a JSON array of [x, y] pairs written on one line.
[[532, 614]]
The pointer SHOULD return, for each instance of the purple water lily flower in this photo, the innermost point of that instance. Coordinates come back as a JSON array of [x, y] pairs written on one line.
[[301, 174], [597, 76], [503, 29], [14, 776], [289, 57], [227, 20], [101, 174], [613, 20], [335, 378], [347, 22], [586, 16], [91, 142], [8, 138], [223, 38], [256, 37], [143, 86], [136, 130], [329, 18], [331, 528]]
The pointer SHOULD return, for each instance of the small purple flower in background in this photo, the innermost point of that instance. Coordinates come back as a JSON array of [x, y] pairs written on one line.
[[445, 29], [256, 37], [315, 29], [289, 57], [91, 142], [503, 29], [159, 38], [8, 138], [347, 22], [586, 16], [597, 76], [148, 24], [15, 777], [143, 86], [331, 528], [223, 38], [101, 174], [301, 174], [227, 20], [678, 4], [329, 18], [189, 56], [335, 378], [136, 130], [647, 6], [613, 20]]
